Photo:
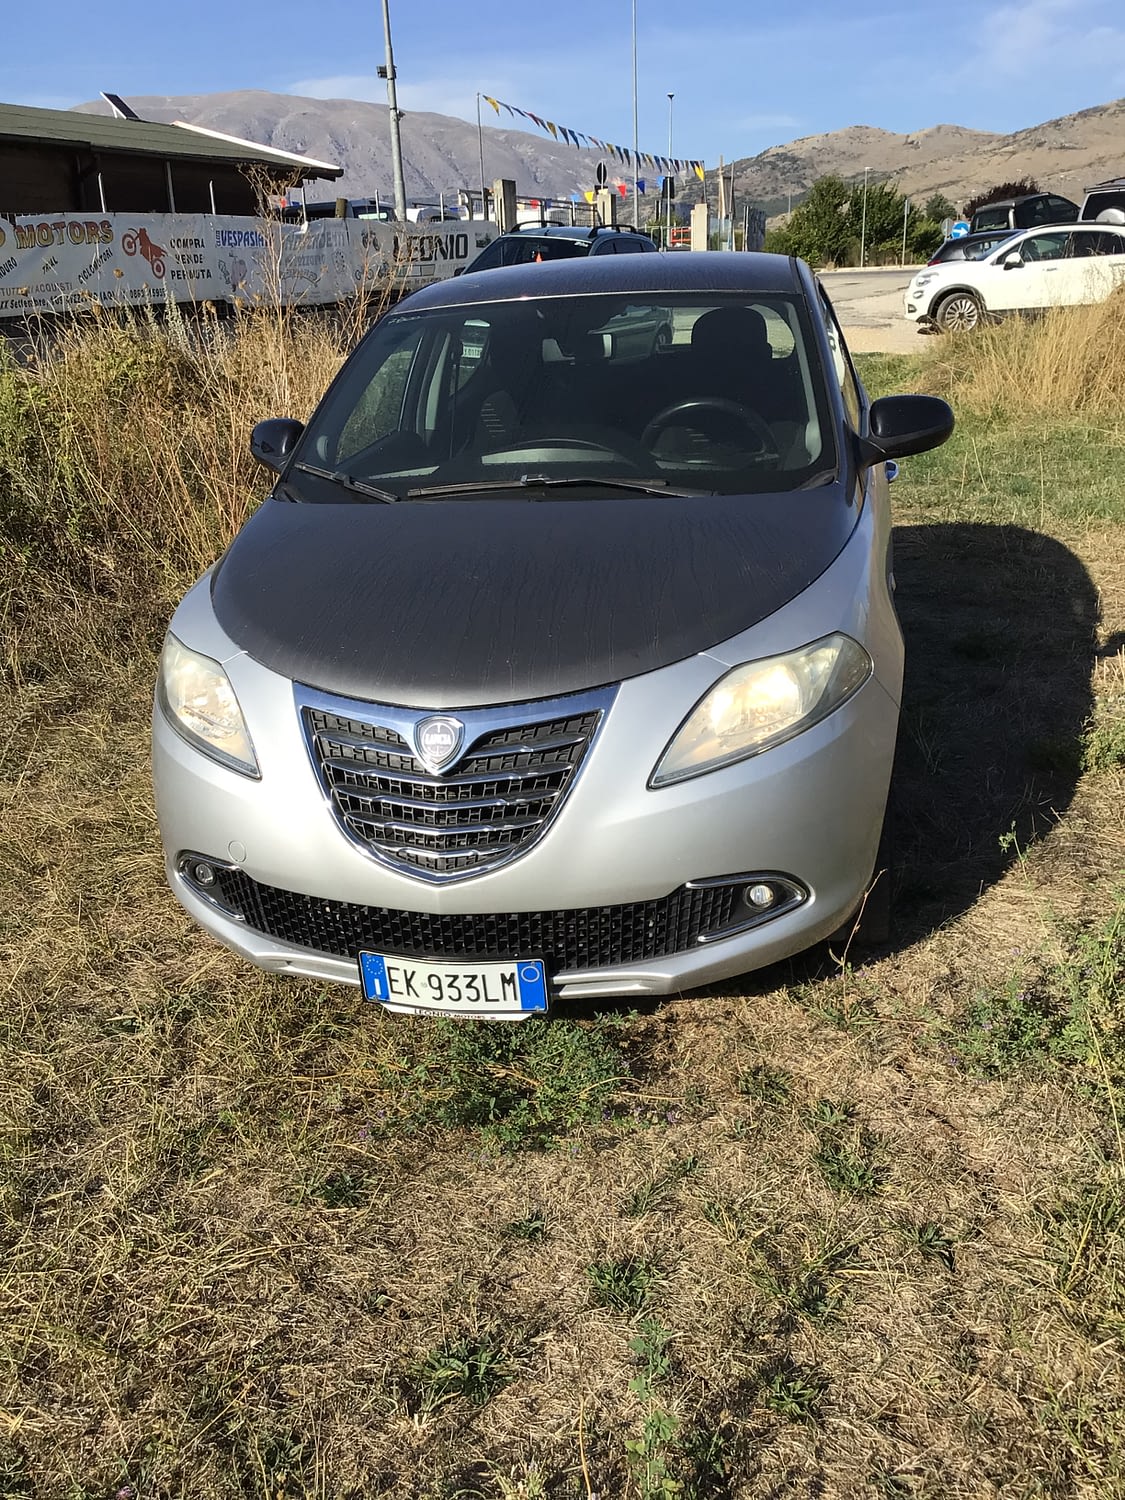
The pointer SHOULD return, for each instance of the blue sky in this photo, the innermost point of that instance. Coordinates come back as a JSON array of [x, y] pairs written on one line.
[[743, 77]]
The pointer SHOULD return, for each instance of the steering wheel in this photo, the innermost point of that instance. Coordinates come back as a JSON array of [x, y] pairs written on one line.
[[751, 422]]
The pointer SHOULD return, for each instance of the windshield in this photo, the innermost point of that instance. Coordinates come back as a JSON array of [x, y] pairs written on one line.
[[694, 394]]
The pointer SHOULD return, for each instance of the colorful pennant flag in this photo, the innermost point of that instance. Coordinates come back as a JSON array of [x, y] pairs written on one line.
[[619, 153]]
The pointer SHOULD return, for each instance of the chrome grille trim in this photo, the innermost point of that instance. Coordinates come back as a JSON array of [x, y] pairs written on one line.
[[514, 771]]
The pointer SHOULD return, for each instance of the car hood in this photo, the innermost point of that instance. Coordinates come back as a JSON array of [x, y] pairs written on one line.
[[467, 602]]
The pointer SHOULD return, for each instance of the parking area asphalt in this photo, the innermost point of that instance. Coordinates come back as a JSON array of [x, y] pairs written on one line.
[[868, 304]]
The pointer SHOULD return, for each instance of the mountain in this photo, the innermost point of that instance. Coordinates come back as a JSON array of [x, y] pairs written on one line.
[[1063, 155], [441, 154]]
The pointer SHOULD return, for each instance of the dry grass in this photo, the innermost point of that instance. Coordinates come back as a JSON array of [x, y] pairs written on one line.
[[1067, 362], [841, 1230]]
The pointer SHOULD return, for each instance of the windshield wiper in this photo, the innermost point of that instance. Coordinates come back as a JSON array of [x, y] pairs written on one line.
[[349, 482], [547, 482]]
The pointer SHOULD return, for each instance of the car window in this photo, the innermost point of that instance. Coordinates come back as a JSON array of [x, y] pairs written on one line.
[[1044, 246], [520, 249], [990, 218], [698, 393], [1096, 242], [841, 366], [1097, 203]]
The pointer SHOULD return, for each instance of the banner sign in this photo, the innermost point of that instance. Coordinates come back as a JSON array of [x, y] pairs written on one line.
[[64, 262]]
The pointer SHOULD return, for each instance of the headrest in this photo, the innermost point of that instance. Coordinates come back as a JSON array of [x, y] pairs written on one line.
[[728, 330]]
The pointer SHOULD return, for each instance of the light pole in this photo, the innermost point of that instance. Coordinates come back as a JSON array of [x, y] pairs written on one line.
[[668, 178], [388, 73], [636, 195], [863, 224]]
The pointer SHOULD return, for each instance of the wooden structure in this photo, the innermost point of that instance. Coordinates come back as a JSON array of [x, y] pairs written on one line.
[[55, 160]]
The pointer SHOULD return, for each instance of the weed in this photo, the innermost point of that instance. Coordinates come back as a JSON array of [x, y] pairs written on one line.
[[340, 1190], [807, 1285], [930, 1240], [648, 1456], [793, 1391], [1087, 1232], [650, 1194], [624, 1285], [707, 1465], [650, 1346], [1018, 1024], [1103, 746], [521, 1087], [828, 1114], [846, 1170], [892, 1484], [845, 1151], [532, 1226], [767, 1084], [726, 1216], [471, 1369], [844, 1001]]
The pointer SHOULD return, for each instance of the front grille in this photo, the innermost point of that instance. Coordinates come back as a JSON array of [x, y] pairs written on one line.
[[491, 805], [590, 937]]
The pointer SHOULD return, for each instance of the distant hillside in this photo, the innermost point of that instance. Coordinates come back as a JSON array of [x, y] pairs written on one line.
[[441, 154], [1064, 155]]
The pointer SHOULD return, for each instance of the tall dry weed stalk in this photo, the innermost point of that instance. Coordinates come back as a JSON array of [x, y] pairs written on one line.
[[1071, 361]]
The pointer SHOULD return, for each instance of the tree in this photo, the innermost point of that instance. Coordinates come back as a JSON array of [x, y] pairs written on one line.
[[1001, 190], [938, 207], [818, 230]]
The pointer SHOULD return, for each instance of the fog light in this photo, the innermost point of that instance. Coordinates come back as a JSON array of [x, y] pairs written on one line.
[[203, 873], [760, 896]]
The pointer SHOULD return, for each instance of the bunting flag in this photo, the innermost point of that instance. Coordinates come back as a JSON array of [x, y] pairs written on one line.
[[666, 164]]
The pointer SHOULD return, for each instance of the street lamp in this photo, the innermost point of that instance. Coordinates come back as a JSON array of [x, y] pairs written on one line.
[[668, 178], [388, 73], [863, 224], [636, 195]]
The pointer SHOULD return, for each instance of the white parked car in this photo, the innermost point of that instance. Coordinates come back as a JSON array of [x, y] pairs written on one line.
[[1067, 265]]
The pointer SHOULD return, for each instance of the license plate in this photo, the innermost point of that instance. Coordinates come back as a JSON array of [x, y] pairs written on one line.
[[510, 988]]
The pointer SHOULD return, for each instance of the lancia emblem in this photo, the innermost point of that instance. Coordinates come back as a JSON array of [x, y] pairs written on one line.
[[437, 741]]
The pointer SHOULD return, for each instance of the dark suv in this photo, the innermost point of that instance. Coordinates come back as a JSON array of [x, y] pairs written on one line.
[[1025, 212], [531, 242]]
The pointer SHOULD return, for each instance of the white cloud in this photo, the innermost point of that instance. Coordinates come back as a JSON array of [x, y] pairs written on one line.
[[1043, 40], [339, 86]]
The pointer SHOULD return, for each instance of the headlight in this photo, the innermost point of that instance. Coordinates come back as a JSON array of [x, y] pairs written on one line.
[[763, 704], [199, 701]]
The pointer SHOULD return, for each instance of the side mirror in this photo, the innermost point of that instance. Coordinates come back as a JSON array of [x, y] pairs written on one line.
[[1012, 261], [272, 441], [902, 425]]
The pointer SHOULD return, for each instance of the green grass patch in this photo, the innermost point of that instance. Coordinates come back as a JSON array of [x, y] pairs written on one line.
[[523, 1086]]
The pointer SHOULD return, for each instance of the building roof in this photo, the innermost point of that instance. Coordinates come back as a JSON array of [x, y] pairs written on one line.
[[21, 124]]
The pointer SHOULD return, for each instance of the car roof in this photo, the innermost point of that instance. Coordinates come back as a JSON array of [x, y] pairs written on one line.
[[684, 271], [575, 231]]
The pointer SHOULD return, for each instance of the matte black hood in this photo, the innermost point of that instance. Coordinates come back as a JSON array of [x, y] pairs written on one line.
[[460, 603]]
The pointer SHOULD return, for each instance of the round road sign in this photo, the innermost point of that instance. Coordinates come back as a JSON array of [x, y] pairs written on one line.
[[959, 230]]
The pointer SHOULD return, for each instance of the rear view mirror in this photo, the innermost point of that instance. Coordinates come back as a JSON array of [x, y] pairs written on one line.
[[901, 425], [1012, 260], [272, 441]]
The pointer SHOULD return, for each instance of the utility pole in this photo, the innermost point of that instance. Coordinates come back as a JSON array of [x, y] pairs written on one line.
[[636, 164], [388, 72]]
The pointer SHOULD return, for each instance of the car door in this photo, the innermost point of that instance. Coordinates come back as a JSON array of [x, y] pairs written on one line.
[[1097, 259], [1031, 272]]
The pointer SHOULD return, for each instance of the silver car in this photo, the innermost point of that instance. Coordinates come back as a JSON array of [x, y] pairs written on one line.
[[550, 670]]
